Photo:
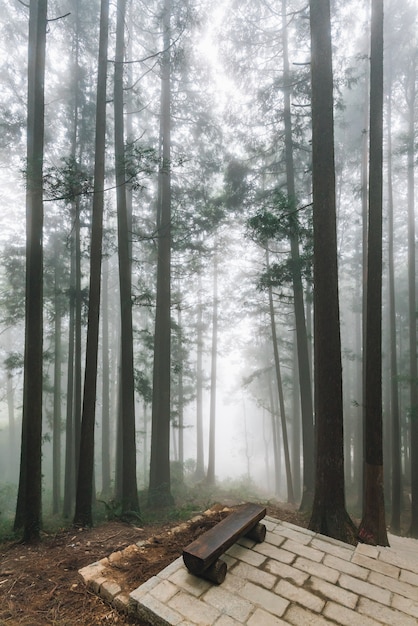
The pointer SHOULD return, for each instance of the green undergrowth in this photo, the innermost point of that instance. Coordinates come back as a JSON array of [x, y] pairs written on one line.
[[190, 498]]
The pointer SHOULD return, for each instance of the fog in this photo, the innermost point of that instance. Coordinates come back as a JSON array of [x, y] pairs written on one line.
[[215, 99]]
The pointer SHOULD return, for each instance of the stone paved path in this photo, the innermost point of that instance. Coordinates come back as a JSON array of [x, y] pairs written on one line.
[[294, 577]]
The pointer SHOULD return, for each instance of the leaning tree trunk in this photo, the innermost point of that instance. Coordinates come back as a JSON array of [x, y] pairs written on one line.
[[84, 495], [329, 515], [290, 494]]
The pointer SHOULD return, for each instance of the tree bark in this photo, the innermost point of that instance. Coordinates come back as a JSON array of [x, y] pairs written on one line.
[[395, 523], [305, 385], [329, 515], [159, 485], [130, 500], [210, 477], [84, 495], [56, 433], [413, 365], [28, 509], [373, 524], [290, 494]]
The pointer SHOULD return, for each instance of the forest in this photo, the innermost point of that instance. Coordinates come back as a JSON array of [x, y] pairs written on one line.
[[208, 266]]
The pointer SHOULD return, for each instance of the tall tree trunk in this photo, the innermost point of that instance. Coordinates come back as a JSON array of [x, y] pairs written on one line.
[[159, 485], [69, 467], [28, 509], [200, 463], [106, 489], [305, 385], [181, 394], [56, 433], [296, 473], [275, 435], [210, 477], [413, 366], [84, 495], [130, 500], [395, 522], [290, 494], [329, 515], [373, 524]]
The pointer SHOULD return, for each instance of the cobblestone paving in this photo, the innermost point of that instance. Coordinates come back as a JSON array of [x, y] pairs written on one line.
[[294, 577]]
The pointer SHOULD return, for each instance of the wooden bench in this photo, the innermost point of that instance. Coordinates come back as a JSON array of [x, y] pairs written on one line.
[[201, 557]]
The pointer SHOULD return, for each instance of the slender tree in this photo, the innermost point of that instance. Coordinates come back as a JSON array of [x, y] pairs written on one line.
[[28, 510], [305, 384], [129, 485], [395, 523], [373, 524], [210, 476], [159, 483], [329, 515], [289, 482], [83, 512]]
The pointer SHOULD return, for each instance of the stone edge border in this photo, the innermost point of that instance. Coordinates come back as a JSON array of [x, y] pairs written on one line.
[[111, 591]]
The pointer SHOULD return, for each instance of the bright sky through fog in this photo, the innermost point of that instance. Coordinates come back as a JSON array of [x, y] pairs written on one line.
[[209, 50]]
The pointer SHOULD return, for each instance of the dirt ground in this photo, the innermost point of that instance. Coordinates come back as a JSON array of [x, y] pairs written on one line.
[[40, 584]]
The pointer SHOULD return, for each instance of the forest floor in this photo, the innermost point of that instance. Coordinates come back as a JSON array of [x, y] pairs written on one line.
[[40, 584]]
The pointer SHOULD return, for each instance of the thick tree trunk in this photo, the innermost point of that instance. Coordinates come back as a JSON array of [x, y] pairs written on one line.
[[373, 524], [28, 509], [413, 367], [329, 515]]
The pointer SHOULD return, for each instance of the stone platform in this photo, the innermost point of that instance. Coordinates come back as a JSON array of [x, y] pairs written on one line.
[[294, 577]]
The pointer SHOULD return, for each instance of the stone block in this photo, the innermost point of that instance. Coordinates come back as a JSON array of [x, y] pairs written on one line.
[[228, 603], [366, 589], [254, 575], [384, 614], [397, 586], [187, 582], [263, 618], [347, 617], [287, 572], [109, 589], [300, 596], [316, 569], [309, 553], [333, 592], [278, 554], [346, 567], [194, 610], [268, 600]]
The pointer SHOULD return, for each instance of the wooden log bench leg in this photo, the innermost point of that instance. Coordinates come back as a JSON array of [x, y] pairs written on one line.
[[201, 557], [257, 534]]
